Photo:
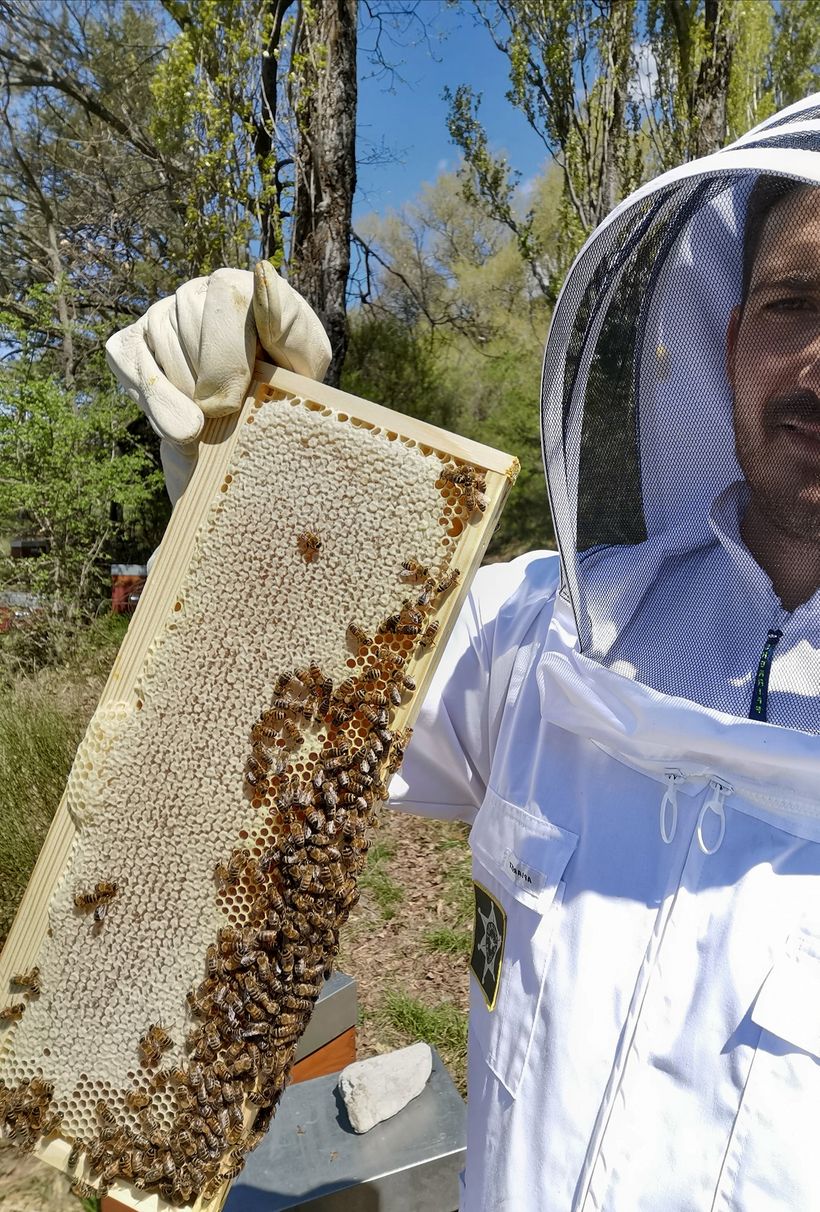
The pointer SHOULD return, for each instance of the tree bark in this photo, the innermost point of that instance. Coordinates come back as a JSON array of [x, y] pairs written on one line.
[[709, 117], [325, 108]]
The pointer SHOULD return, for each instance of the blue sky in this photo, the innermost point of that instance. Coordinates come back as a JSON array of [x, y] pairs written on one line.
[[408, 116]]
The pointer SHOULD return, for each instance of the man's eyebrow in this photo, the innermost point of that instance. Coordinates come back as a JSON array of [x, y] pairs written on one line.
[[787, 282]]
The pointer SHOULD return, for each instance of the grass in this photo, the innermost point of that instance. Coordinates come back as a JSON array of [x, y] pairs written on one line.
[[449, 941], [444, 1026], [38, 739], [42, 719], [387, 894]]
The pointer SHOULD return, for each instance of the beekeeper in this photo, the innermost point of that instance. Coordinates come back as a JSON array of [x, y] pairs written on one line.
[[633, 733]]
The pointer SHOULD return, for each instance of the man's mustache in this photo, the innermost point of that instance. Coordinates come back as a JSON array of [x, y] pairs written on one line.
[[796, 407]]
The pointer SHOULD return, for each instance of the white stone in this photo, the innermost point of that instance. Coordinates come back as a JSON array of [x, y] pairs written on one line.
[[376, 1089]]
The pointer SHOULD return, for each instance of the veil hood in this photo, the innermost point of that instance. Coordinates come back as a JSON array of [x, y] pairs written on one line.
[[636, 407]]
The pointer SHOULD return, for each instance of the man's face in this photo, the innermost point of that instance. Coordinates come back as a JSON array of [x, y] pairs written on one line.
[[774, 369]]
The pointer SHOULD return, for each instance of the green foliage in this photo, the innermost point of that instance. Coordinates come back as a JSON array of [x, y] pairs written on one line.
[[395, 365], [454, 330], [491, 180], [65, 460], [205, 92], [620, 91], [38, 739]]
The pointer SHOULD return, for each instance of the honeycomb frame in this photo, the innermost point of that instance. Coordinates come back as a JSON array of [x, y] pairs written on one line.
[[354, 686]]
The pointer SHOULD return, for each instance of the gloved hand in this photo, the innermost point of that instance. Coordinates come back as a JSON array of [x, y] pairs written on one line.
[[191, 355]]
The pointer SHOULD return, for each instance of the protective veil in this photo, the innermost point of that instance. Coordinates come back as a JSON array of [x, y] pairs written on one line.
[[639, 441], [640, 759]]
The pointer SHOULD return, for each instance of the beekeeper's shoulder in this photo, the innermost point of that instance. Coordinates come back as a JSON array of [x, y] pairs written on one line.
[[506, 598]]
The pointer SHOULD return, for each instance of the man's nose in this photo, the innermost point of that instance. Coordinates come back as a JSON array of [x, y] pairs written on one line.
[[810, 359]]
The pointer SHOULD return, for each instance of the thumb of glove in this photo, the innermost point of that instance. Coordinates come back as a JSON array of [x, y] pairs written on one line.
[[289, 329]]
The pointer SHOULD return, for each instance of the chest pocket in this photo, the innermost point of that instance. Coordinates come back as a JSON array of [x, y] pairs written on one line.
[[518, 864], [773, 1160]]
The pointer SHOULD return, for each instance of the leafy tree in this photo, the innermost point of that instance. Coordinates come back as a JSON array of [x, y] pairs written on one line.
[[65, 459], [618, 90], [263, 95], [396, 364], [88, 200], [570, 75], [451, 330]]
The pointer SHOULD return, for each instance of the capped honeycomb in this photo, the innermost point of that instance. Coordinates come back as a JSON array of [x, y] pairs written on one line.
[[220, 805]]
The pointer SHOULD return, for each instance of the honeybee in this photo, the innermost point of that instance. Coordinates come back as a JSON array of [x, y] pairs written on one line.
[[428, 636], [83, 1190], [242, 1066], [309, 545], [51, 1123], [74, 1155], [111, 1172], [41, 1089], [427, 591], [96, 1154], [104, 1113], [160, 1037], [473, 500], [414, 570], [103, 891], [358, 635], [149, 1051], [137, 1100], [263, 732], [12, 1012], [231, 872], [28, 980], [292, 733], [448, 580]]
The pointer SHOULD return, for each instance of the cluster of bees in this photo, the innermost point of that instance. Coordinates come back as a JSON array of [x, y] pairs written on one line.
[[471, 484], [29, 982], [25, 1112], [299, 884]]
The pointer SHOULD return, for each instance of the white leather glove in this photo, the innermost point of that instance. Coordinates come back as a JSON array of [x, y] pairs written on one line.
[[191, 355]]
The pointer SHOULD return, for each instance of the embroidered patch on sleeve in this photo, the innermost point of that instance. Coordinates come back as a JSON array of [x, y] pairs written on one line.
[[489, 932]]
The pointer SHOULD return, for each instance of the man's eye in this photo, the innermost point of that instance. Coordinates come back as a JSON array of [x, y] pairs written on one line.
[[790, 303]]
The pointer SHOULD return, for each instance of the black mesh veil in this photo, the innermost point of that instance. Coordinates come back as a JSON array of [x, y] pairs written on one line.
[[639, 423]]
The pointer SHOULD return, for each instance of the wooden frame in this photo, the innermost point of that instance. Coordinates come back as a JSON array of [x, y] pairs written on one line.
[[217, 446]]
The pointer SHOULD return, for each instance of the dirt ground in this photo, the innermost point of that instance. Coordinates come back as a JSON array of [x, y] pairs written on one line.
[[385, 955], [421, 872]]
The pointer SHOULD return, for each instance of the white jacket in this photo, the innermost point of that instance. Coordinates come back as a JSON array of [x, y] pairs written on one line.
[[647, 858]]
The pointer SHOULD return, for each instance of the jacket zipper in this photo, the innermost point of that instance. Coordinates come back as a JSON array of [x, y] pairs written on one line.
[[760, 690]]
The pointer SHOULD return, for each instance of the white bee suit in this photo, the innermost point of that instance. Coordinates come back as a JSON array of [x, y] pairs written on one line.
[[648, 855]]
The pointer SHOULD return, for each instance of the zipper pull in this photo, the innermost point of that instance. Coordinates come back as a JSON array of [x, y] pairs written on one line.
[[669, 806], [714, 804]]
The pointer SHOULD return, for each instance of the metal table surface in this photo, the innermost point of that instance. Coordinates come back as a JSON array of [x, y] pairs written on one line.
[[313, 1161]]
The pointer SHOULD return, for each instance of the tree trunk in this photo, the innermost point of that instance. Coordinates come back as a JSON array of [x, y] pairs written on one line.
[[325, 108], [709, 117]]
